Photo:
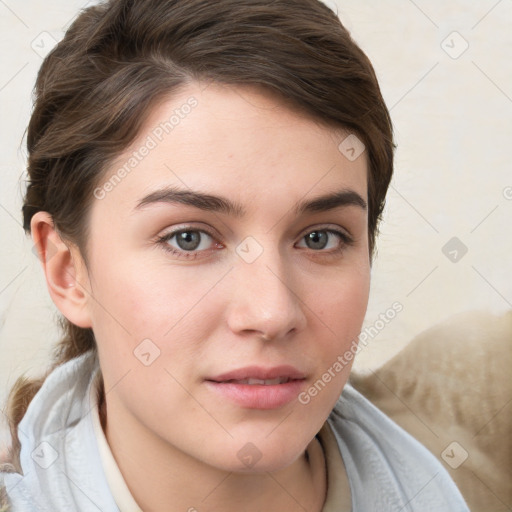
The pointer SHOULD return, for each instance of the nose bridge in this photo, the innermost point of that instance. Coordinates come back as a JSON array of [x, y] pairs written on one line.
[[264, 300]]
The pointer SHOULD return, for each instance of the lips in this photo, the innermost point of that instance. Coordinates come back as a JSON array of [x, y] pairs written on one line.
[[259, 388], [284, 373], [261, 382]]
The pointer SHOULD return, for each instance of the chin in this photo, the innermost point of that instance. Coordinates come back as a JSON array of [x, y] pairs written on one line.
[[260, 456]]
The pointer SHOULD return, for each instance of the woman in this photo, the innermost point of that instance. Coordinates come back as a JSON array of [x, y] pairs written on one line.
[[206, 182]]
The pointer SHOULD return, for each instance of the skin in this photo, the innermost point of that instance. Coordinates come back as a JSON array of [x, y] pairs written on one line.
[[207, 314]]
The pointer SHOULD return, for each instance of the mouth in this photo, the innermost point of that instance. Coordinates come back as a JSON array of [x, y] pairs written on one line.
[[260, 375], [259, 388], [260, 382]]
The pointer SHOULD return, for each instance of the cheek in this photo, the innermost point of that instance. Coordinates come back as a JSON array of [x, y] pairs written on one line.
[[338, 314], [150, 327], [136, 302], [341, 312], [147, 297], [344, 303]]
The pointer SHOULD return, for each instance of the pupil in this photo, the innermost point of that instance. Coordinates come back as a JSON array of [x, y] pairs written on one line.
[[318, 238], [188, 240]]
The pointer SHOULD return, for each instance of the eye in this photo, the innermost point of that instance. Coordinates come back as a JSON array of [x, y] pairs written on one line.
[[322, 239], [190, 243], [187, 242]]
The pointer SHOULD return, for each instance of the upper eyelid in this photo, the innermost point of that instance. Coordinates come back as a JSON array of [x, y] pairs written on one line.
[[189, 227], [212, 231], [326, 227]]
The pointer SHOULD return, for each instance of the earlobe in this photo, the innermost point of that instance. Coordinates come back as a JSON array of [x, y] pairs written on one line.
[[64, 269]]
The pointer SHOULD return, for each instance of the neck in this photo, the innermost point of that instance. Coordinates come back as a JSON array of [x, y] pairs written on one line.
[[162, 477]]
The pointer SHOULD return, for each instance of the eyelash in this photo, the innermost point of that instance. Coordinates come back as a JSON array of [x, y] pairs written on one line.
[[162, 240]]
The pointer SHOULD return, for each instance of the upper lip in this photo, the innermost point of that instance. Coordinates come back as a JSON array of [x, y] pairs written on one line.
[[258, 372]]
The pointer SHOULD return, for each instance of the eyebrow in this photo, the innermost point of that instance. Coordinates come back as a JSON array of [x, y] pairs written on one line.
[[213, 203]]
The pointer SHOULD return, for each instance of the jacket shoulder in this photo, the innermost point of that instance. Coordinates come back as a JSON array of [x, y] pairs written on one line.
[[385, 462]]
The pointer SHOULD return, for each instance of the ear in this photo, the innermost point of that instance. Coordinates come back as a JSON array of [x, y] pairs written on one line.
[[64, 269]]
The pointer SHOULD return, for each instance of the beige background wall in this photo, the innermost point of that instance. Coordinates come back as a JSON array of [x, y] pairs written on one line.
[[446, 74]]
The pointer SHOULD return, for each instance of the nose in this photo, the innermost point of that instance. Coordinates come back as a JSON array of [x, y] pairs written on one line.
[[265, 299]]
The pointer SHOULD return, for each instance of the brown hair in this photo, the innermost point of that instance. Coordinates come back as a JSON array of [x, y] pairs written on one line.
[[96, 87]]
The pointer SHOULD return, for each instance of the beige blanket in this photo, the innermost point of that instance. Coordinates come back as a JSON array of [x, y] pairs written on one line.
[[451, 388]]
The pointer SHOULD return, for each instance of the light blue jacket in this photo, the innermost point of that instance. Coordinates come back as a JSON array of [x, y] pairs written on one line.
[[388, 470]]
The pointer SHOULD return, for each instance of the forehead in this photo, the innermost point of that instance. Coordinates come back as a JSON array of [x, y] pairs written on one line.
[[239, 142]]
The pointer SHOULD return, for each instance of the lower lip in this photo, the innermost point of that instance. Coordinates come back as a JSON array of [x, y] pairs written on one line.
[[256, 396]]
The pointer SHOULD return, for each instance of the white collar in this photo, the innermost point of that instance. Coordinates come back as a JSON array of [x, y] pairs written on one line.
[[122, 495]]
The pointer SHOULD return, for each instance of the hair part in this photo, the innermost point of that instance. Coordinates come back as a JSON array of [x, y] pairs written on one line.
[[118, 59]]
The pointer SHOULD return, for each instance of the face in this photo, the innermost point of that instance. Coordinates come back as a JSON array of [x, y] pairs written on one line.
[[223, 291]]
